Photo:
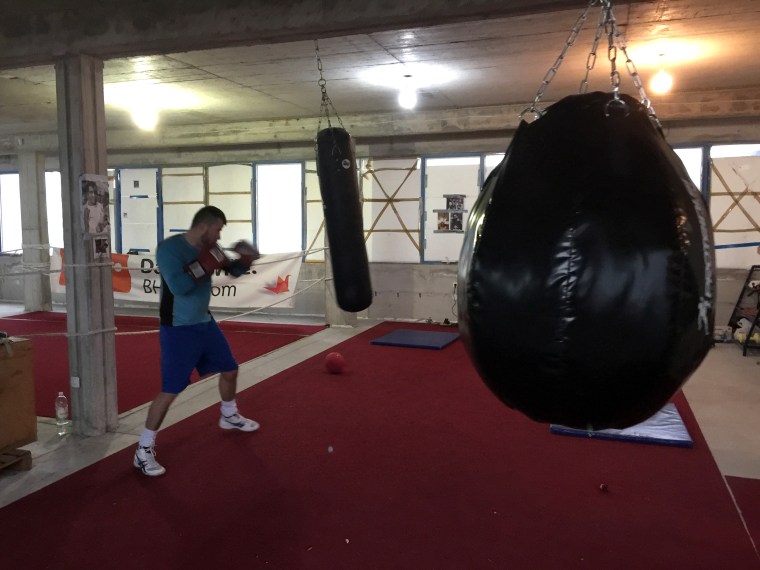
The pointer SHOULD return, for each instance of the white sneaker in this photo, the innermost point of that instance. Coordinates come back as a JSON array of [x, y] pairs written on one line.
[[236, 421], [145, 461]]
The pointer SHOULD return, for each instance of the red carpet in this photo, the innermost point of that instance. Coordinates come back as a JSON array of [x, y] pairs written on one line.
[[747, 495], [137, 355], [427, 470]]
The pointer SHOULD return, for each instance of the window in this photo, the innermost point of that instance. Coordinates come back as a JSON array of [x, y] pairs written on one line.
[[229, 189], [735, 204], [54, 208], [10, 214], [692, 161], [451, 186], [279, 207], [391, 210]]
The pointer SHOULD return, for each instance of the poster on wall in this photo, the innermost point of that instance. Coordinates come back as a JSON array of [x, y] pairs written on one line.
[[101, 248], [451, 220], [95, 200]]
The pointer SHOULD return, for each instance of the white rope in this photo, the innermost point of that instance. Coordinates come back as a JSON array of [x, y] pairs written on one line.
[[102, 264], [44, 269], [314, 282], [91, 333], [69, 335]]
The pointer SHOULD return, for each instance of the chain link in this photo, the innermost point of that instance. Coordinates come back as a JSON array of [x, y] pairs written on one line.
[[632, 71], [612, 55], [532, 111], [324, 109], [591, 59]]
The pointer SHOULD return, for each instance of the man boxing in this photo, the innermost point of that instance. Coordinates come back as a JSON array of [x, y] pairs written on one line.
[[189, 336]]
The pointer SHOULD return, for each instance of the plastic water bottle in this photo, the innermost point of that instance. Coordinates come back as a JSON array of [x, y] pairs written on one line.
[[61, 413]]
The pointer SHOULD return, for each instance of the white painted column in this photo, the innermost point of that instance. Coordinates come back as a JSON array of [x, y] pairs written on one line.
[[89, 296], [34, 230]]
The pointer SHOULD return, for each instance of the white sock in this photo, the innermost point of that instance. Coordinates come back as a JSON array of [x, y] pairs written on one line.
[[148, 438], [229, 408]]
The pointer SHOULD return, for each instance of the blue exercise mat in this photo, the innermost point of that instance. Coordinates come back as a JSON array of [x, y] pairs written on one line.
[[664, 428], [417, 339]]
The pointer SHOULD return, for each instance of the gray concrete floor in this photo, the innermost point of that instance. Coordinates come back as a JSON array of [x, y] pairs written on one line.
[[724, 394]]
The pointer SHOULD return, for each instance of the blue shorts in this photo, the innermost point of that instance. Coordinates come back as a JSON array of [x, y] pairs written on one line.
[[187, 347]]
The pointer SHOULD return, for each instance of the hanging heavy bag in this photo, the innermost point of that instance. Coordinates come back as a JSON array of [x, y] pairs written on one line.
[[341, 200], [587, 273]]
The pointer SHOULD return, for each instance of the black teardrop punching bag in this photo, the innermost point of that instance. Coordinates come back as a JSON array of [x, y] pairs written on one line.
[[341, 200], [587, 272]]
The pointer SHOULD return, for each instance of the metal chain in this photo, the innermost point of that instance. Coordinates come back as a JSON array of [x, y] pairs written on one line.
[[591, 59], [324, 108], [632, 71], [615, 41], [532, 112], [612, 55]]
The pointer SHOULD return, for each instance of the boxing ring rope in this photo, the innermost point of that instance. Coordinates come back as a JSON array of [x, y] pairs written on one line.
[[312, 283]]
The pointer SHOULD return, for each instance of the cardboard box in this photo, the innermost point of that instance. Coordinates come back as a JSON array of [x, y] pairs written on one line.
[[18, 418]]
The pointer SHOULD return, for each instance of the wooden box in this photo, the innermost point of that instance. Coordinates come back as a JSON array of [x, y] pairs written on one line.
[[18, 419]]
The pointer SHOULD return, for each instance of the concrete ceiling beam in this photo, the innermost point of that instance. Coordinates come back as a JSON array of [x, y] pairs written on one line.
[[432, 127], [36, 32]]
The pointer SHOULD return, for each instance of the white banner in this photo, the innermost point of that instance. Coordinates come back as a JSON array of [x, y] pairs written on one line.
[[272, 280]]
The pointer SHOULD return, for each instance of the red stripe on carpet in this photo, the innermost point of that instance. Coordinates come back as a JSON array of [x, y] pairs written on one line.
[[427, 470], [137, 356], [747, 495]]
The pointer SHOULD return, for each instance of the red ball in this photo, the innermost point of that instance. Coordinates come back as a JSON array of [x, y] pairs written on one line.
[[334, 362]]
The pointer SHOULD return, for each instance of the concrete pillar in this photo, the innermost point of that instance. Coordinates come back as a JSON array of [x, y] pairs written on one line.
[[34, 230], [89, 295], [334, 315]]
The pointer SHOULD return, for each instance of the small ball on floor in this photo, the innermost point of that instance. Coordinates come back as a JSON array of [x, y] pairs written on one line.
[[335, 363]]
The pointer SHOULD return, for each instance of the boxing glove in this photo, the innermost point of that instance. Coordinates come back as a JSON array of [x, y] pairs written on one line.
[[208, 260], [247, 252]]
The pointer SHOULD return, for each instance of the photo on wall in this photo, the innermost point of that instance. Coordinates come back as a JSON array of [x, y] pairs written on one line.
[[95, 200], [451, 220], [443, 220], [101, 248], [454, 201], [456, 222]]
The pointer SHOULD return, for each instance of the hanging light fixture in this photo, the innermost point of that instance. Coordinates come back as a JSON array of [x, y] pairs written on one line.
[[662, 82], [146, 118], [407, 94], [144, 100]]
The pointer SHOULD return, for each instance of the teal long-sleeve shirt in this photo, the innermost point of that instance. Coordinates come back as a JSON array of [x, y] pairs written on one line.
[[183, 300]]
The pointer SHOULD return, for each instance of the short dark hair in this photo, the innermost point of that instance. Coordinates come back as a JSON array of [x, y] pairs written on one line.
[[208, 215]]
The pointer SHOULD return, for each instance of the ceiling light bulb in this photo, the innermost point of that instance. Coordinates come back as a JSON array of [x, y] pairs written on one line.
[[146, 118], [407, 94], [407, 98], [661, 82]]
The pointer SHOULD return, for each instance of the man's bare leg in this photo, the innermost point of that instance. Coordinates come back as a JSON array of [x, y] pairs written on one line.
[[157, 411]]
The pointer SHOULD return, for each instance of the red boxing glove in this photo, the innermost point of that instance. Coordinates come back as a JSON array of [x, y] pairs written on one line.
[[247, 252], [208, 260]]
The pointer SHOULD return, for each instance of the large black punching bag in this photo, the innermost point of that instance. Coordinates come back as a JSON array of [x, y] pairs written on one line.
[[341, 200], [587, 272]]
